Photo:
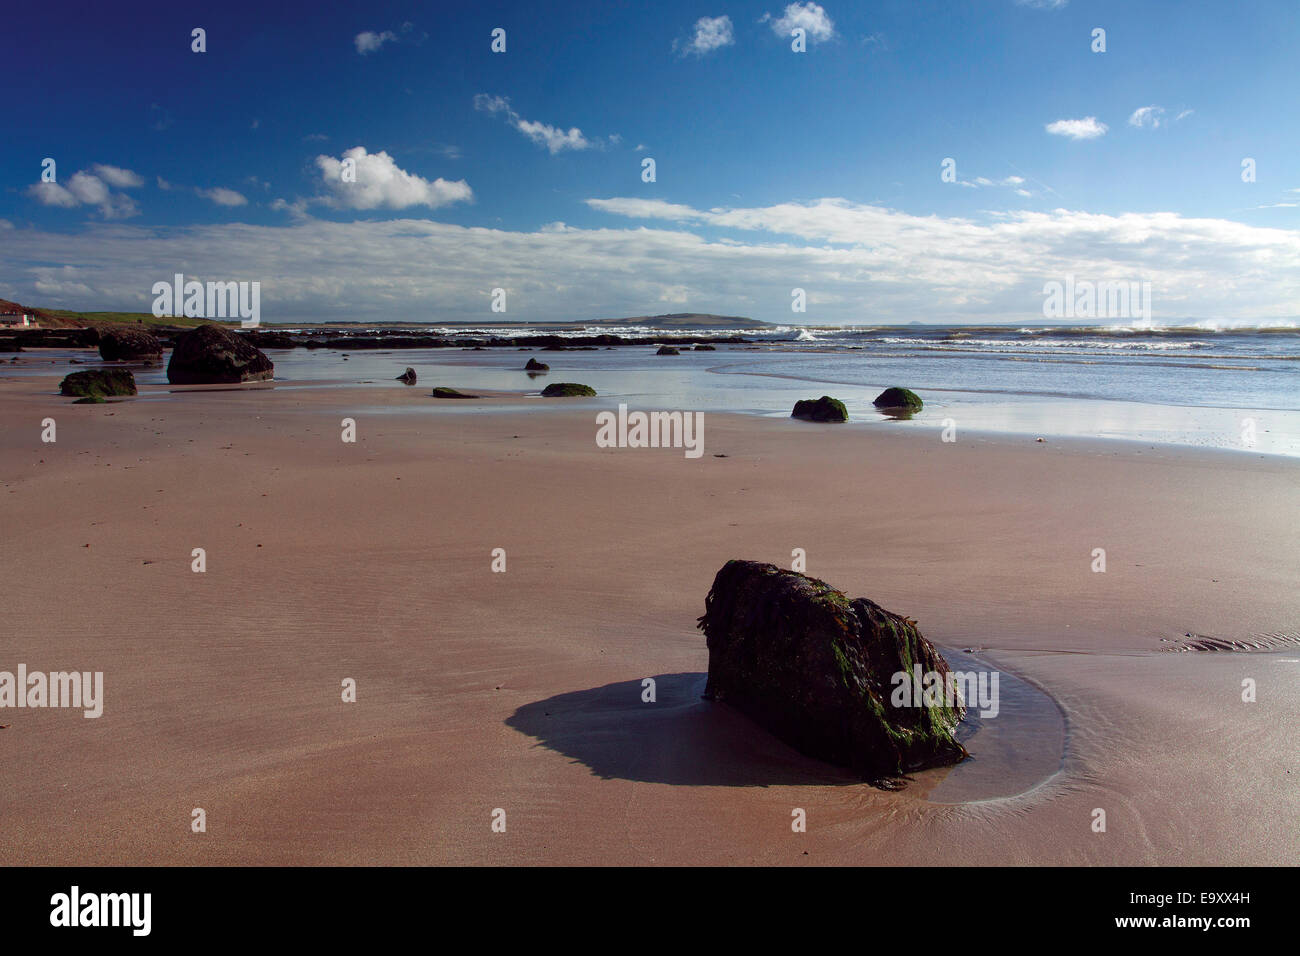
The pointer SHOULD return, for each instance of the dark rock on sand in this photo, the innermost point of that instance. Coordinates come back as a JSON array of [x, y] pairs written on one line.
[[407, 377], [706, 348], [824, 409], [667, 350], [536, 366], [896, 397], [129, 345], [567, 390], [98, 382], [816, 669], [212, 355], [444, 392]]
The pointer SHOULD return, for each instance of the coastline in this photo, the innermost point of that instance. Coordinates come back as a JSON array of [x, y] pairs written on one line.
[[374, 563]]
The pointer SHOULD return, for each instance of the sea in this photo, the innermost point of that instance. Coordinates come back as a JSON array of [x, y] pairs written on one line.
[[1230, 388]]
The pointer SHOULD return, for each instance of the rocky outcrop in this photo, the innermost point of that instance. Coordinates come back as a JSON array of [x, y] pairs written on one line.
[[824, 409], [567, 390], [896, 397], [667, 350], [271, 340], [407, 377], [129, 345], [213, 355], [536, 366], [98, 383], [819, 671]]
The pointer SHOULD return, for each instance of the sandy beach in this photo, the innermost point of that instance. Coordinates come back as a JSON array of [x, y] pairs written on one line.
[[521, 690]]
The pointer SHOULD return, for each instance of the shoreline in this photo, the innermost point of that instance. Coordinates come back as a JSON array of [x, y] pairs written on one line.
[[1043, 407]]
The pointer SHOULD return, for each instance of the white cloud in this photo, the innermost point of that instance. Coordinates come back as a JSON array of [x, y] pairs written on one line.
[[1086, 128], [370, 42], [52, 194], [1042, 4], [223, 196], [380, 184], [543, 134], [711, 33], [92, 189], [117, 176], [1152, 116], [980, 182], [164, 185], [812, 17], [867, 263], [646, 209]]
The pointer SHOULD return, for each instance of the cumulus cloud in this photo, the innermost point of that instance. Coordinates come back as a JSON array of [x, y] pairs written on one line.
[[543, 134], [711, 33], [812, 17], [370, 42], [95, 188], [381, 184], [223, 196], [1087, 128]]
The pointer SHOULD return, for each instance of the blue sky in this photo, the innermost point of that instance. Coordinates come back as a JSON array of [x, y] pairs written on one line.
[[774, 169]]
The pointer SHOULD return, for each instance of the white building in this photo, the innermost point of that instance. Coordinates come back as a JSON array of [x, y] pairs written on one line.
[[15, 319]]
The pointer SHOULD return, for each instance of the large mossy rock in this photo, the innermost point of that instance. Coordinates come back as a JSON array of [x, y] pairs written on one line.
[[816, 669], [442, 391], [824, 409], [896, 397], [129, 345], [213, 355], [98, 383], [567, 390]]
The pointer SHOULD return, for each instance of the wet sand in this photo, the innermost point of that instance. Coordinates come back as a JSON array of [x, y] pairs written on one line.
[[479, 690]]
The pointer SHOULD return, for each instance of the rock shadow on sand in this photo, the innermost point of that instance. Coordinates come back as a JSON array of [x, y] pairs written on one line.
[[684, 740], [680, 739]]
